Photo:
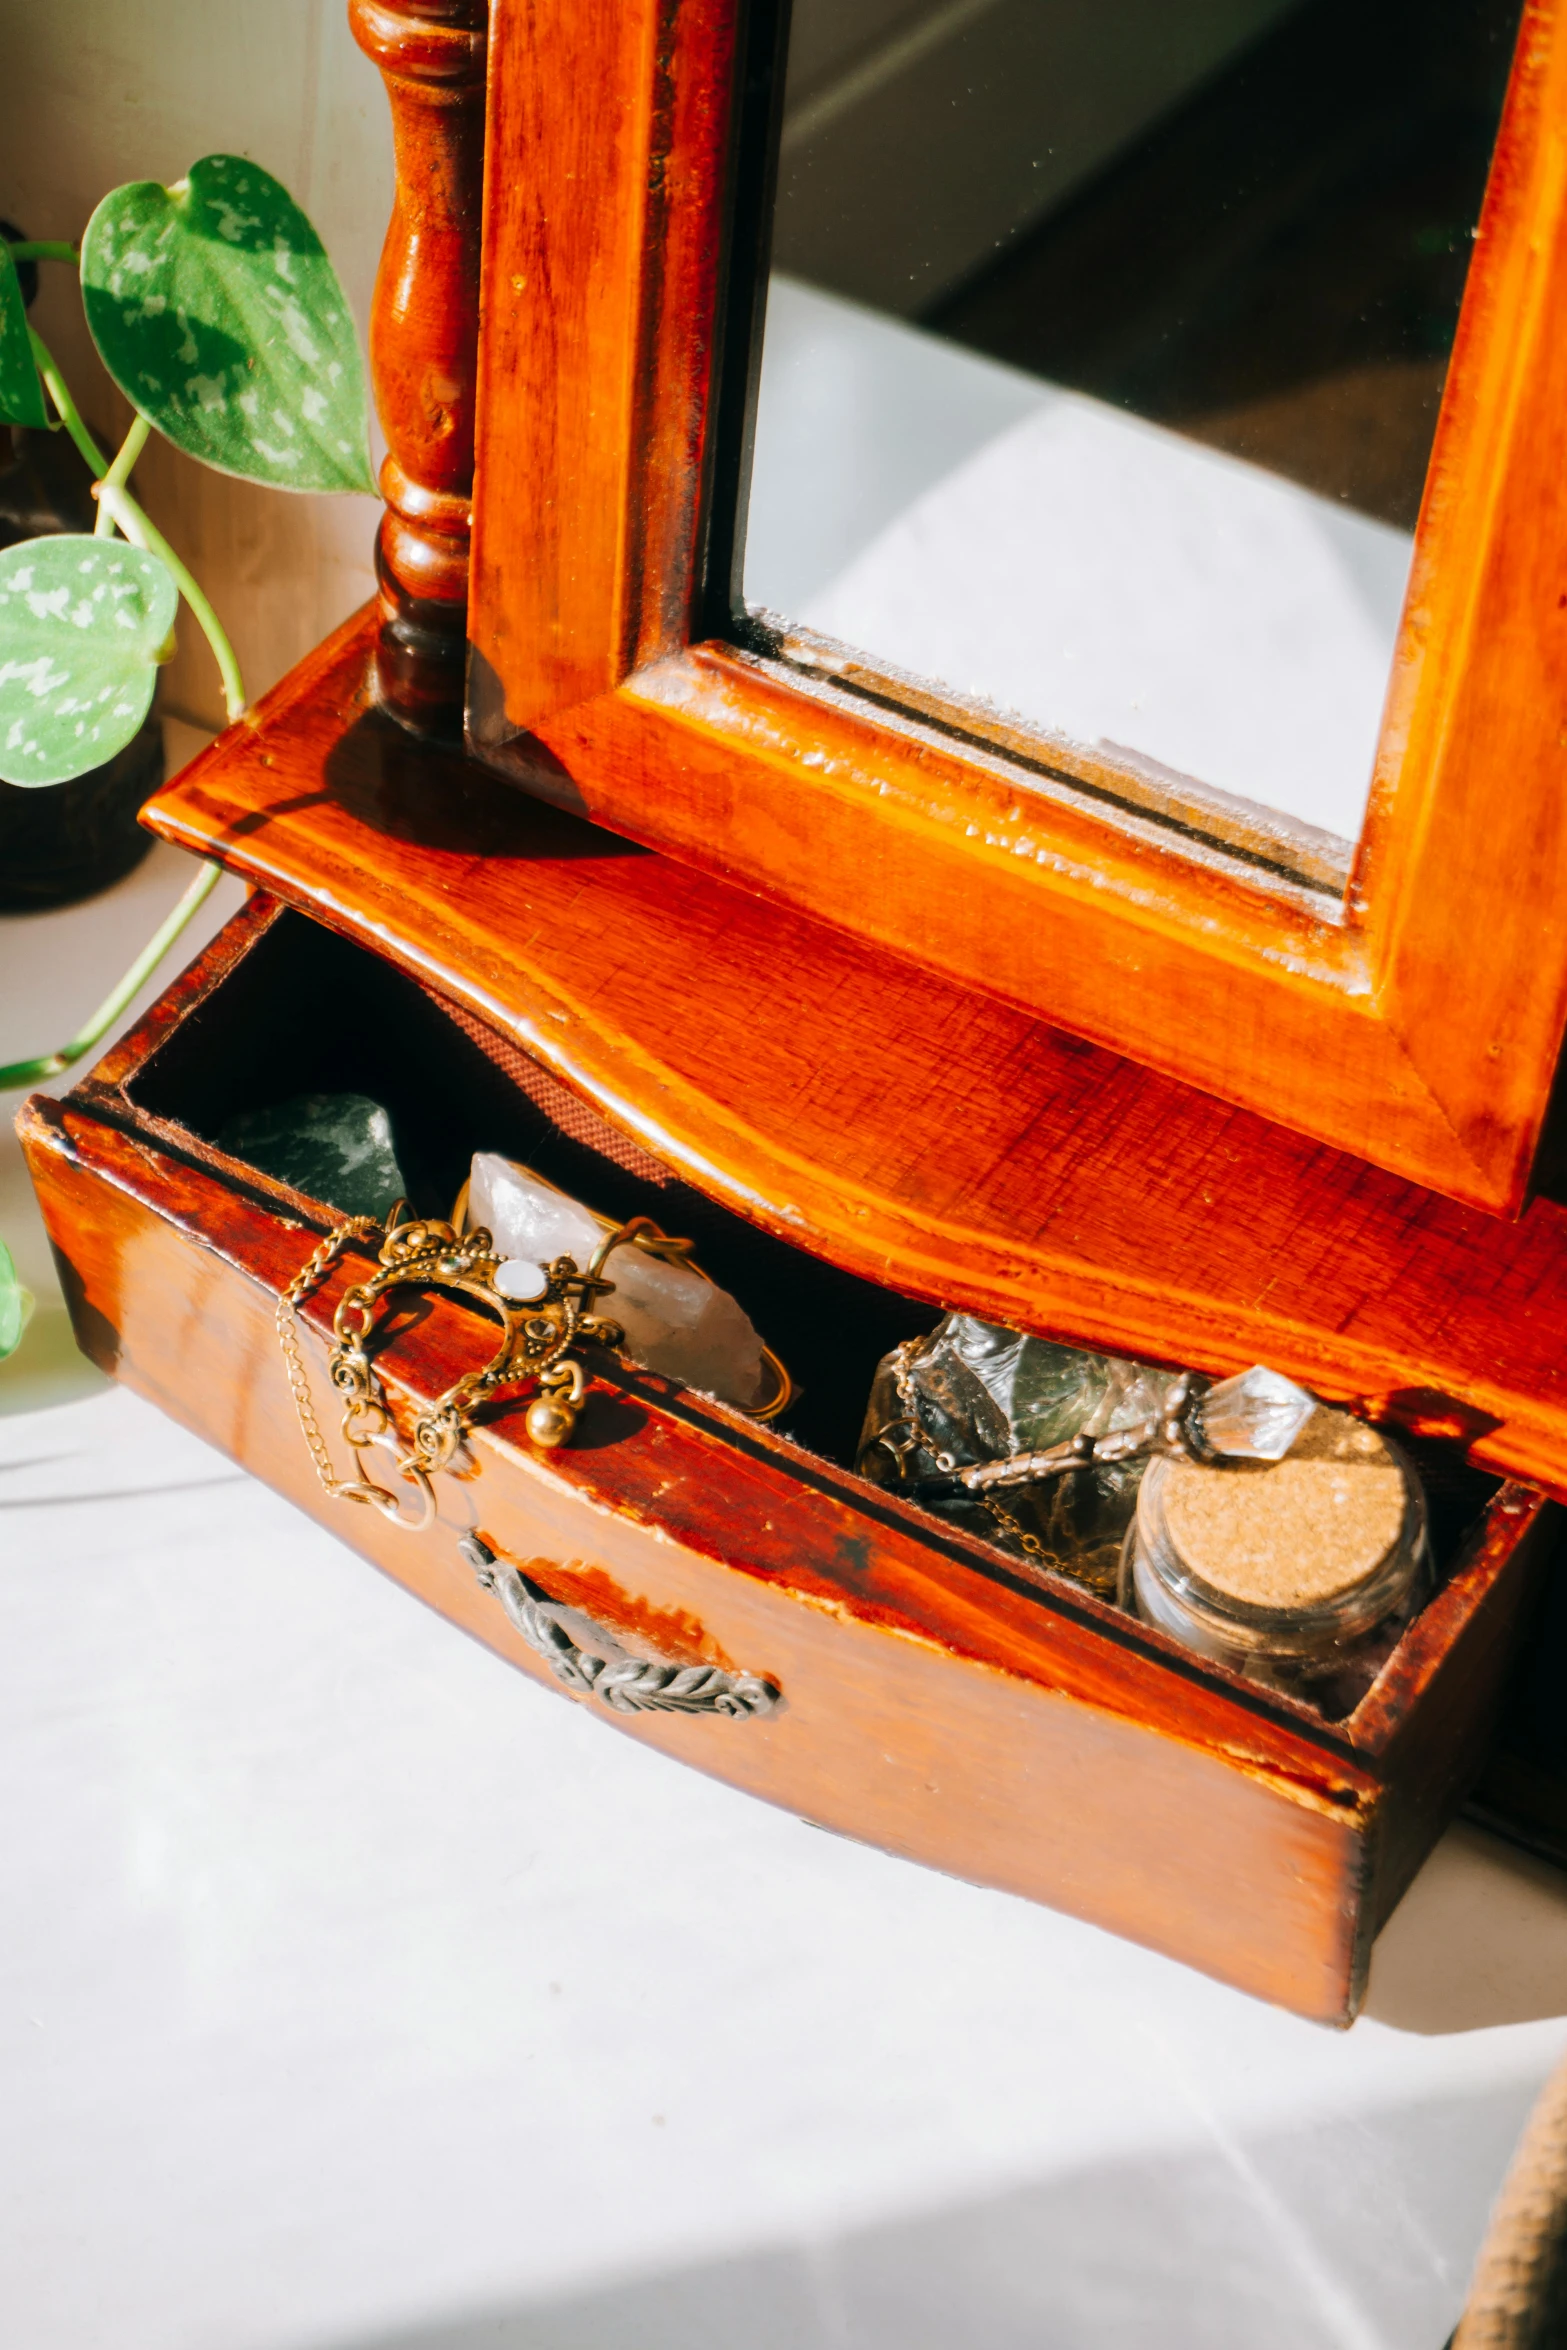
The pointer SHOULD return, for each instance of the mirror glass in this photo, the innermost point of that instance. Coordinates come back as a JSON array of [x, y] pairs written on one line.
[[1104, 345]]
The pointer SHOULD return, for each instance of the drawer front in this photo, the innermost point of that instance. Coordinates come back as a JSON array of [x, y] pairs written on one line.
[[926, 1704]]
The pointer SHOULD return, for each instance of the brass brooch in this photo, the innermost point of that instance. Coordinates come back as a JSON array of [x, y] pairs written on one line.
[[538, 1335]]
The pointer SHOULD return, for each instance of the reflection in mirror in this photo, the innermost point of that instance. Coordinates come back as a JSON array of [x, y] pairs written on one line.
[[1104, 346]]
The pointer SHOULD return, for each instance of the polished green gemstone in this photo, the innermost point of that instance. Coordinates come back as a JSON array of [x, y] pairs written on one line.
[[334, 1147]]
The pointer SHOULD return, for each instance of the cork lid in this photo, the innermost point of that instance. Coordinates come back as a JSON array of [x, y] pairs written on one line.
[[1297, 1533]]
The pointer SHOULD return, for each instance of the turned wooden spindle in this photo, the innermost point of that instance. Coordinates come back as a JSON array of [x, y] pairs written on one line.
[[424, 336]]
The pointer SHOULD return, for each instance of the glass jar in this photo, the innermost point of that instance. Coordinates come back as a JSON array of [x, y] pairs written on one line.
[[1298, 1572]]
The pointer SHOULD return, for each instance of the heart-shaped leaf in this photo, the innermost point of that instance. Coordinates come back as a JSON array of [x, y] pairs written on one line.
[[15, 1305], [21, 393], [216, 311], [83, 625]]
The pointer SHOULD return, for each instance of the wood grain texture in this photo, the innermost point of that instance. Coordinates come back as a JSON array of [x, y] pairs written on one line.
[[924, 1718], [603, 226], [424, 330], [1417, 1026], [884, 1118], [935, 1703], [1461, 879], [1433, 1715]]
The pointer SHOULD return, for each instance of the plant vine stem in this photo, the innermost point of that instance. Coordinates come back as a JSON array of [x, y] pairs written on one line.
[[66, 408], [143, 533], [50, 1065], [44, 249], [119, 473], [140, 531]]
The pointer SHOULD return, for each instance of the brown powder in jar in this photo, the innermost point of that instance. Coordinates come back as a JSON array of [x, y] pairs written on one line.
[[1291, 1533]]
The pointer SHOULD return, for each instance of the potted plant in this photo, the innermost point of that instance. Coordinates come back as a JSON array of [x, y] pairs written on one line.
[[58, 847], [219, 316]]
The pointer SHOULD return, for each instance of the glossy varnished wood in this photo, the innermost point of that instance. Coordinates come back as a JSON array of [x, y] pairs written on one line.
[[904, 1115], [880, 1116], [1418, 1025], [610, 128], [884, 1733], [936, 1700], [424, 328]]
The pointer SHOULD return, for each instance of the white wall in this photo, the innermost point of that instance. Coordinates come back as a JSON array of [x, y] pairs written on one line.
[[95, 92]]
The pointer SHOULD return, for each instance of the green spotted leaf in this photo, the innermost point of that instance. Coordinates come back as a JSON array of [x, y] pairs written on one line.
[[216, 311], [15, 1305], [83, 625], [21, 393]]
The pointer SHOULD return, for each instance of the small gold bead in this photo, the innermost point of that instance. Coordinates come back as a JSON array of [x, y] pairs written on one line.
[[550, 1423]]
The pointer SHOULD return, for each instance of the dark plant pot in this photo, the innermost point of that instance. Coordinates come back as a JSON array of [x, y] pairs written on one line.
[[66, 841]]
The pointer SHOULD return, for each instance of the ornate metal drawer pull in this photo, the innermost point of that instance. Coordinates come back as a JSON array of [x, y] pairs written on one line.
[[626, 1684]]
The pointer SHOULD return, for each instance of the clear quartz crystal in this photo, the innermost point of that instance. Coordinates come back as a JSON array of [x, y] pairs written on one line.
[[981, 1392], [675, 1322], [1256, 1416]]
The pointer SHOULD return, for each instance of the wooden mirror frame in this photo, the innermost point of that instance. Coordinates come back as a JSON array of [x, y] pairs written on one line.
[[1414, 1022]]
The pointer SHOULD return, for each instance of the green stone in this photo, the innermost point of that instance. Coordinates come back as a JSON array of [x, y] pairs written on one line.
[[334, 1147]]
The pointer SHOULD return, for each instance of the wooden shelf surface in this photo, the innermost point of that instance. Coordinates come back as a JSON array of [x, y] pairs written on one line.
[[878, 1115]]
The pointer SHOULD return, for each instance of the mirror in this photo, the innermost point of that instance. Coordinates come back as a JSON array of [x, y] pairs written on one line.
[[1104, 346]]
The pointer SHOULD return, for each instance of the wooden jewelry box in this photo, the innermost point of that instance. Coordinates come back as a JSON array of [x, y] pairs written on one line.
[[855, 1130], [936, 1698]]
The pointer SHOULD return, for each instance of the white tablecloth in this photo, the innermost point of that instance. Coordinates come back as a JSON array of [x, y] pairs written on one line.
[[357, 1993]]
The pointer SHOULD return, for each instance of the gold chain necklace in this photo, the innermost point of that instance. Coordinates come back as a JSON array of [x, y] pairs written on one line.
[[539, 1334]]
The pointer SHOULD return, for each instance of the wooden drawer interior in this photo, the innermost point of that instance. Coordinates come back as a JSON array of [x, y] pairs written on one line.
[[307, 1012], [281, 1006]]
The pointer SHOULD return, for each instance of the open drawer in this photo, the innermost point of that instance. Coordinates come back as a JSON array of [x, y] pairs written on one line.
[[937, 1697]]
